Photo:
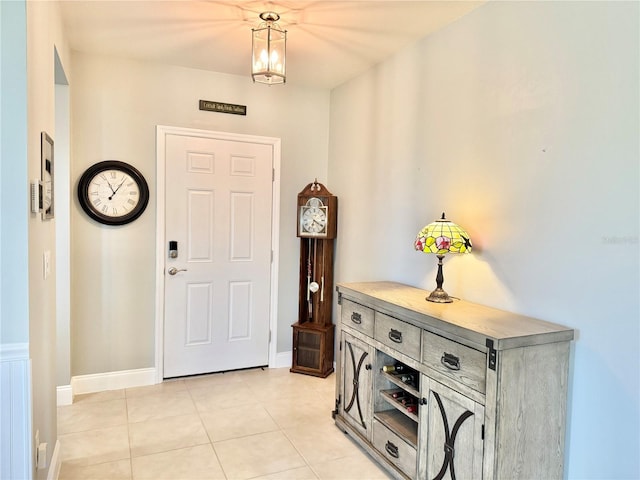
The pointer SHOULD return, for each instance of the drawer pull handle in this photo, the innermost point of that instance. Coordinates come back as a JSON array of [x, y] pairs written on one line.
[[450, 361], [395, 336], [392, 450], [356, 318]]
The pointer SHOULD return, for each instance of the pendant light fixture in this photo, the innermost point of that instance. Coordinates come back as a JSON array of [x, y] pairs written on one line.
[[268, 51]]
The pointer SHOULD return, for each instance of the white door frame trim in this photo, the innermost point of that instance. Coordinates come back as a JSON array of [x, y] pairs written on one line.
[[161, 244]]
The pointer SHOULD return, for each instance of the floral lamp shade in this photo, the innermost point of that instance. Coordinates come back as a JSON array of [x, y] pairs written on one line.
[[442, 237]]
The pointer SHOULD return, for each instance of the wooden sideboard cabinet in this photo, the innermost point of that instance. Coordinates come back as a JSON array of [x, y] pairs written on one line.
[[445, 391]]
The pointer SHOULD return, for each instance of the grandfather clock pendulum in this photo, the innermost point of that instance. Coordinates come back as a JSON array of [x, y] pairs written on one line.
[[314, 331]]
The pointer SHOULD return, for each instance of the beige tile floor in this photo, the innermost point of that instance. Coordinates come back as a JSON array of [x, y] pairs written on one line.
[[251, 424]]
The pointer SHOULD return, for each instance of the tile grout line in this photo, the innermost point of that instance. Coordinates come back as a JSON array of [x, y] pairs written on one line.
[[213, 448], [126, 411]]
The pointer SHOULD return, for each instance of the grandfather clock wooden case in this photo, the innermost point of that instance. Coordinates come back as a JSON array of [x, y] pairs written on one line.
[[313, 333]]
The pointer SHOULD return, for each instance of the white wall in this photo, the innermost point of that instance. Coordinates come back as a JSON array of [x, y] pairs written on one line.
[[521, 122], [44, 31], [15, 401], [14, 200], [116, 105]]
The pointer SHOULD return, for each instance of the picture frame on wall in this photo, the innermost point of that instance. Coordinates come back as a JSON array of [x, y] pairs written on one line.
[[47, 173]]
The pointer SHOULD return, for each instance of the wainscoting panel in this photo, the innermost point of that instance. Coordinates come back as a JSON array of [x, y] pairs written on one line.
[[15, 411]]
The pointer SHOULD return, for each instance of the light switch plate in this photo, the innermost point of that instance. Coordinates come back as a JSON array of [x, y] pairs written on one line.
[[46, 264]]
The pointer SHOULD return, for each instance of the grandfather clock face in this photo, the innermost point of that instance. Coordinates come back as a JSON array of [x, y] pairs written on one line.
[[313, 218]]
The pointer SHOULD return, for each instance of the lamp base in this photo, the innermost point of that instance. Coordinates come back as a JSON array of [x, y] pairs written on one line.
[[439, 296]]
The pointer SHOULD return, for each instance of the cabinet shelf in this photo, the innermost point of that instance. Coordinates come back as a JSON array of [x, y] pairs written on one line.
[[388, 396], [394, 378], [401, 425]]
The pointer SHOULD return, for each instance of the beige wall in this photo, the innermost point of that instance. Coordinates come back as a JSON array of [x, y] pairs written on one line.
[[521, 122], [116, 105], [44, 31]]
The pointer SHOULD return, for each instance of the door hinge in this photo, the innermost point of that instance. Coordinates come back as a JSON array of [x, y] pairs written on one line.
[[269, 336], [482, 434], [273, 174], [492, 358]]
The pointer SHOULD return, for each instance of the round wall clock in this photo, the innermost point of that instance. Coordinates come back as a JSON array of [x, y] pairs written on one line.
[[113, 192]]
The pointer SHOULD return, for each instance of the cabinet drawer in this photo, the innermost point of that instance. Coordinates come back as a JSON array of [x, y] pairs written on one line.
[[396, 450], [398, 335], [357, 316], [457, 361]]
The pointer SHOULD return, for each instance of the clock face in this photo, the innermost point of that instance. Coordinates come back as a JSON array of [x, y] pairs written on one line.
[[313, 218], [113, 192]]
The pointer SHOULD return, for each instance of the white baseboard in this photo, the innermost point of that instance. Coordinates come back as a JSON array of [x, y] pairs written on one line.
[[56, 463], [64, 395], [282, 359], [99, 382]]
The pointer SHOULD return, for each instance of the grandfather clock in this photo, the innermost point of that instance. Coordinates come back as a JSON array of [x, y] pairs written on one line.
[[314, 330]]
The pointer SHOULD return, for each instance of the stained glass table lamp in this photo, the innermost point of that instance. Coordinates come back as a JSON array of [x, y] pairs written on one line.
[[442, 237]]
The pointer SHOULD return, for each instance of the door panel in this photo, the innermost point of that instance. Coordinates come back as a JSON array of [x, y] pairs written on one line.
[[198, 317], [357, 358], [218, 208], [240, 311], [200, 225], [455, 444]]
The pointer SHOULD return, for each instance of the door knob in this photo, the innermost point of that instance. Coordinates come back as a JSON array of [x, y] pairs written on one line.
[[174, 270]]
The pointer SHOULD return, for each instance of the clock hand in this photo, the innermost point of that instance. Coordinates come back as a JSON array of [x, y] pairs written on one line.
[[113, 192], [121, 183]]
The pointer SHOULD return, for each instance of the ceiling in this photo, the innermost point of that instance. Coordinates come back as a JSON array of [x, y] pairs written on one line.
[[328, 42]]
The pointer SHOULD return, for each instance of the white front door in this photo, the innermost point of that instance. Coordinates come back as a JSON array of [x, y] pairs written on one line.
[[218, 208]]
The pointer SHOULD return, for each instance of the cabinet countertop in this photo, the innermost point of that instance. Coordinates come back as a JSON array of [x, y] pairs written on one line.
[[473, 322]]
